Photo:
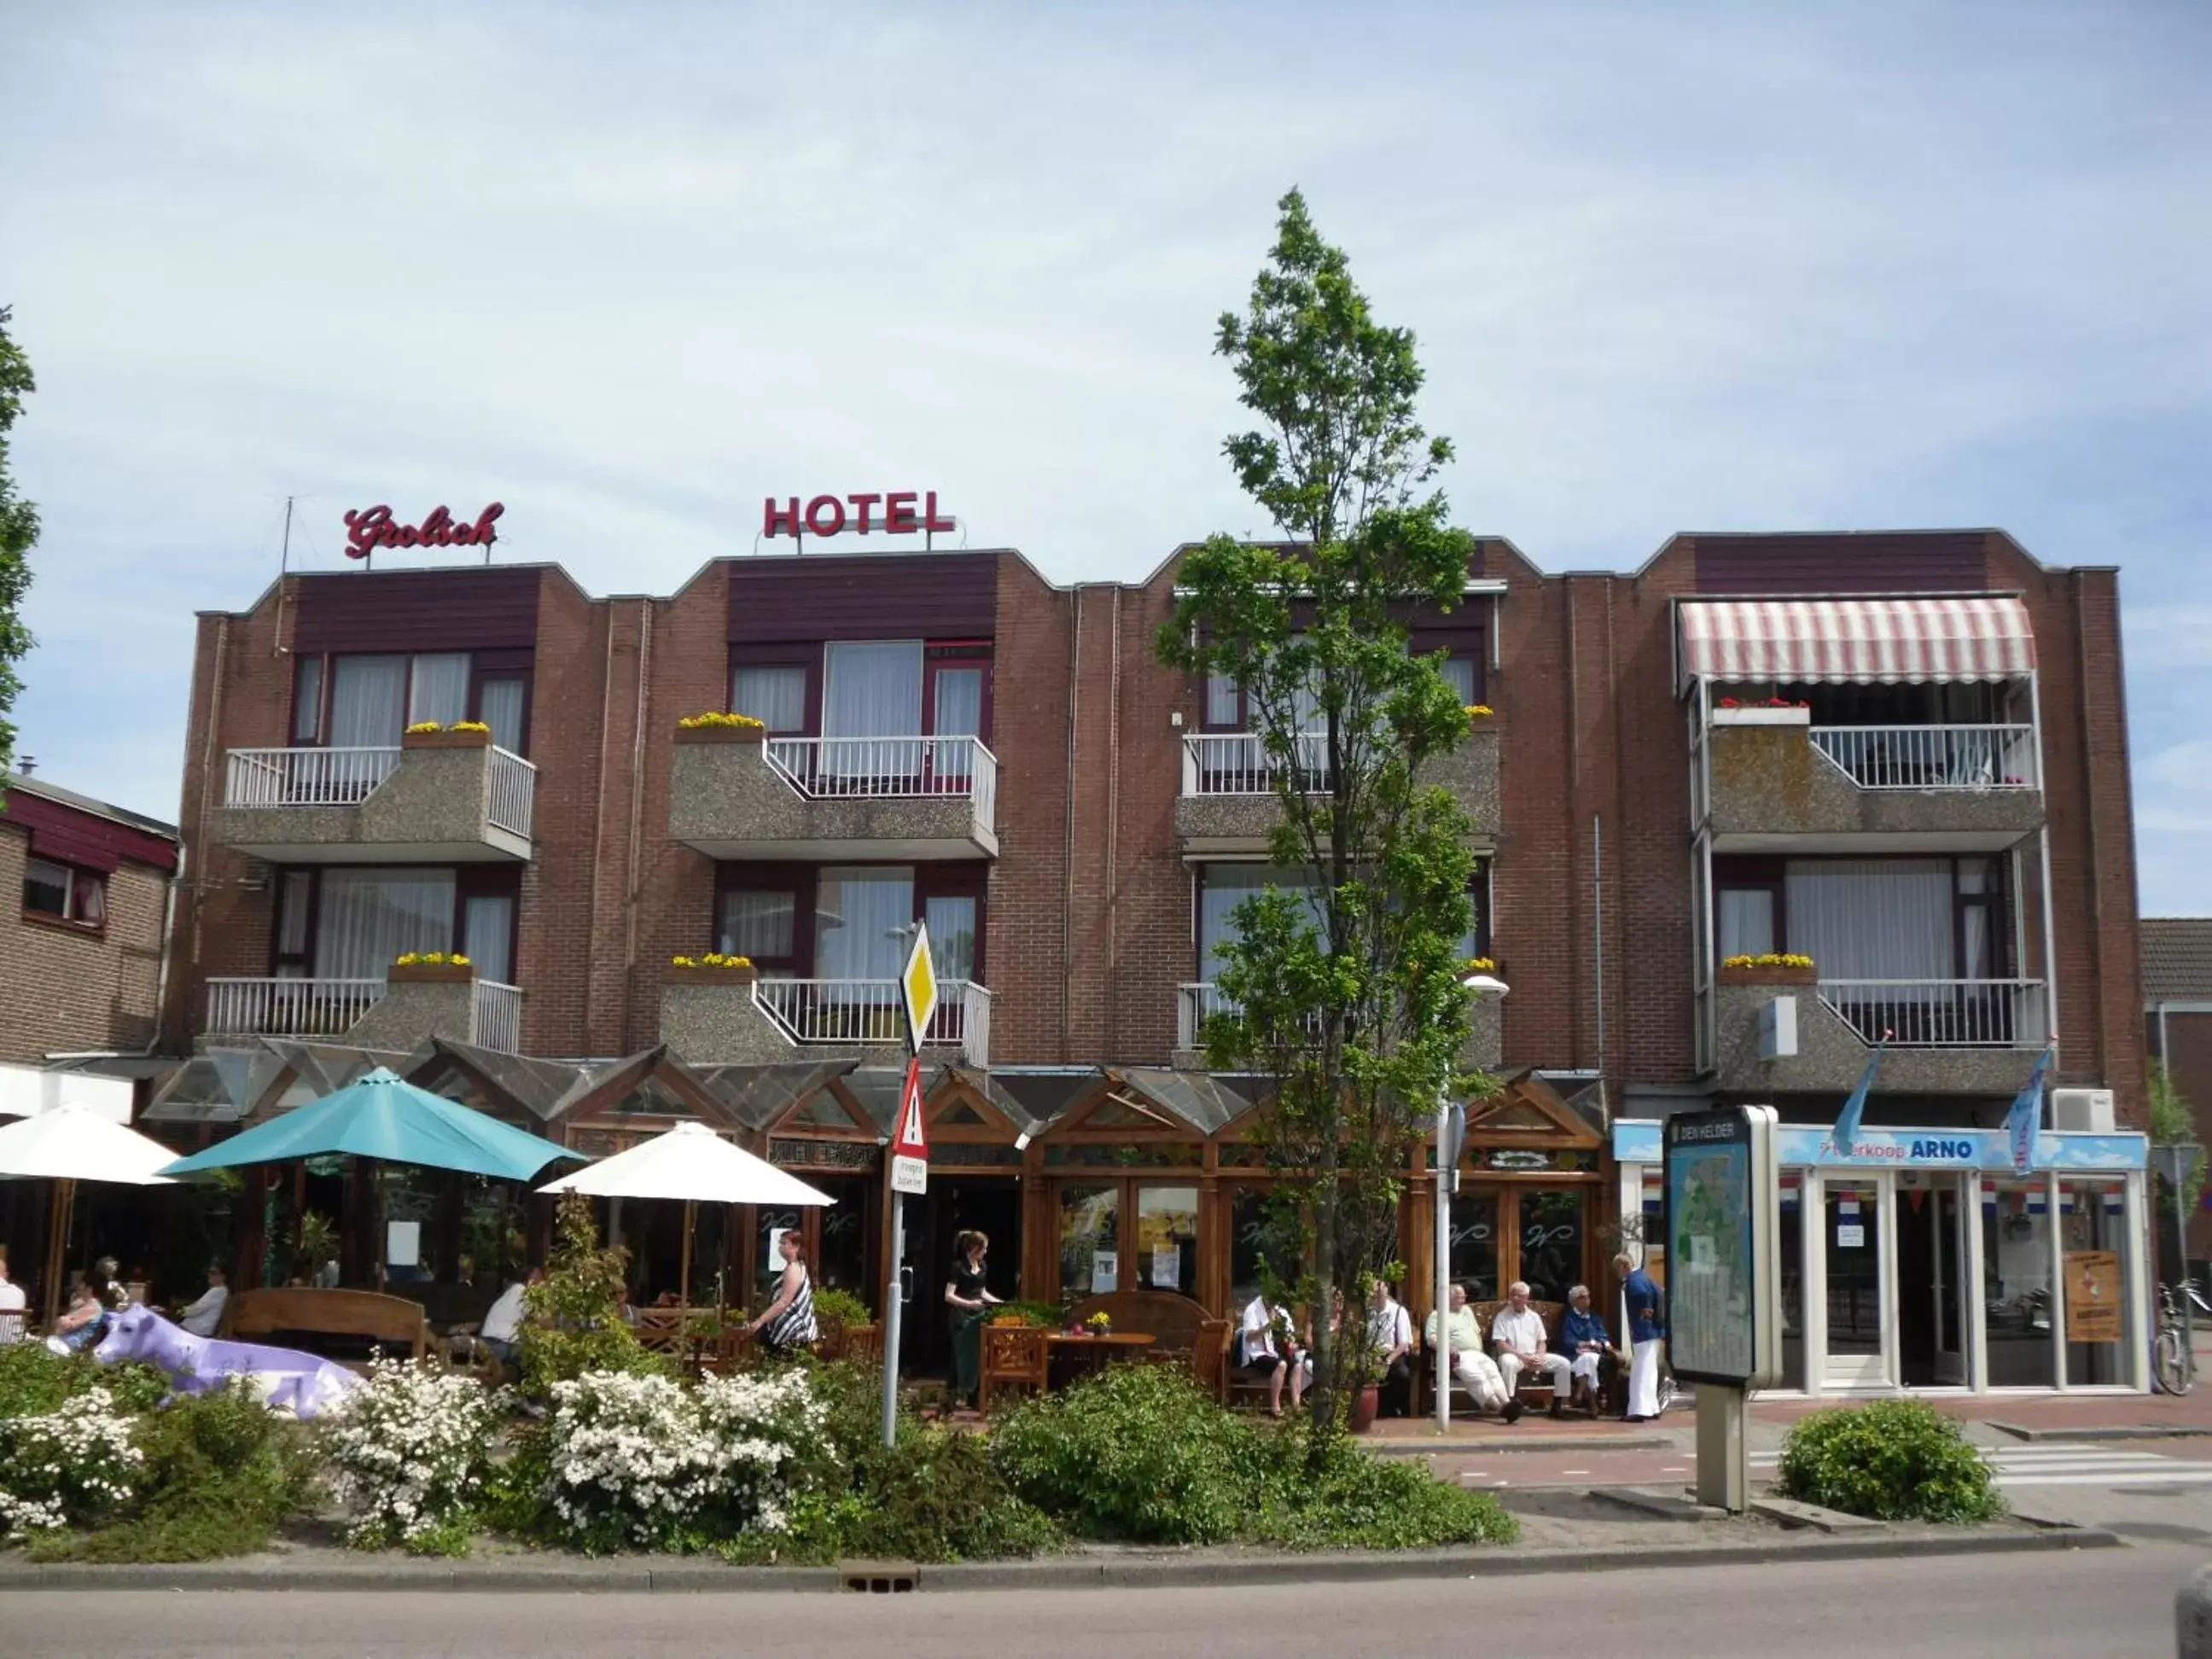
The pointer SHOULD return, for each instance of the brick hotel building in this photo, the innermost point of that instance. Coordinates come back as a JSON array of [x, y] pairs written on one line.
[[1937, 813]]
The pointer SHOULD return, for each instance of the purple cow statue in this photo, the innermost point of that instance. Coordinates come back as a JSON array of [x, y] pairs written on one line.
[[285, 1378]]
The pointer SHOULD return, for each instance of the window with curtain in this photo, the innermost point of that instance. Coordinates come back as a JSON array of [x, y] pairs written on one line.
[[368, 917], [951, 920], [761, 924], [1224, 704], [65, 891], [368, 702], [1746, 920], [959, 703], [863, 922], [873, 688], [437, 687], [308, 700], [1872, 918], [1226, 886], [488, 935], [774, 694], [499, 705], [1459, 674]]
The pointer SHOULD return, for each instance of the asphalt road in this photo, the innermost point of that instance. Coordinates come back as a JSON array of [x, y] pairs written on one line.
[[2110, 1603]]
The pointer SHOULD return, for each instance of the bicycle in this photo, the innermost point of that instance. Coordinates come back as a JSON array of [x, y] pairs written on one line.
[[2173, 1360]]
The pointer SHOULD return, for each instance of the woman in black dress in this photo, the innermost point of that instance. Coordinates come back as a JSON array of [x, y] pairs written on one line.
[[967, 1303]]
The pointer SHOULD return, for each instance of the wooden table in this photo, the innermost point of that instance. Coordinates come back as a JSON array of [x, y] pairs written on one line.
[[1073, 1357]]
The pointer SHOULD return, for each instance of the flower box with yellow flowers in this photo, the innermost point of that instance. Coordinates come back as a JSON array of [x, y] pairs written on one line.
[[1768, 967], [461, 734], [1480, 715], [431, 968], [715, 726], [712, 969]]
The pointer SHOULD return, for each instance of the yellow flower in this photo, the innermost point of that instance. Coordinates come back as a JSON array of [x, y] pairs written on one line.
[[1480, 965], [421, 728], [716, 717], [468, 726], [1480, 711]]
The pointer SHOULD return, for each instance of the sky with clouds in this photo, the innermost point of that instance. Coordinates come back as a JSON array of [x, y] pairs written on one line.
[[631, 269]]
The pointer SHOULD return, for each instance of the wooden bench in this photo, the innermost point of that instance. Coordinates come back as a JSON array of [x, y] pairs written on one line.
[[394, 1319], [1172, 1319]]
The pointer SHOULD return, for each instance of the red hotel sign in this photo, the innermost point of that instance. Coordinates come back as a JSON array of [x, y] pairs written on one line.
[[369, 529], [826, 516]]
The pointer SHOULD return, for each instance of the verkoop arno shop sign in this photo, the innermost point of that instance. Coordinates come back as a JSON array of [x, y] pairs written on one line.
[[370, 528]]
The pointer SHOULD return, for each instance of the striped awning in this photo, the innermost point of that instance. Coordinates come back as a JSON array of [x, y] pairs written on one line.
[[1863, 641]]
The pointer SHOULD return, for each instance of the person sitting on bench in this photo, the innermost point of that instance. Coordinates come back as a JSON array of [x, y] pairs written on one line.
[[1262, 1353], [1476, 1370], [1518, 1334]]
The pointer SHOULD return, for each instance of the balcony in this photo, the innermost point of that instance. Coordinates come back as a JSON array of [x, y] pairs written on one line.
[[444, 798], [1200, 1001], [735, 794], [1944, 1037], [397, 1015], [1229, 804], [709, 1019], [1779, 783]]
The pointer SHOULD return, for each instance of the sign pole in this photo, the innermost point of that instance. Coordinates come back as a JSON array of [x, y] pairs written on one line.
[[910, 1154], [1723, 1456]]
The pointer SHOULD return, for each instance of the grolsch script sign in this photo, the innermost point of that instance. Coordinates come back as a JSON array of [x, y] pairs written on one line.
[[369, 529]]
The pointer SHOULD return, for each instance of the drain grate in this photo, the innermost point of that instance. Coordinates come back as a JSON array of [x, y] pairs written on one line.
[[880, 1578]]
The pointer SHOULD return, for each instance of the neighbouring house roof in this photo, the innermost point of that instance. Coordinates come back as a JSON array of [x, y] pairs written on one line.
[[2177, 959], [77, 830]]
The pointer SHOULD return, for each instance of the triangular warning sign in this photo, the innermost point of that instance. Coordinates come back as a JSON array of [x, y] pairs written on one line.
[[913, 1138]]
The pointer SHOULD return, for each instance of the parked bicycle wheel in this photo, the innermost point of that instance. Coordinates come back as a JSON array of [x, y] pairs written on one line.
[[2172, 1362]]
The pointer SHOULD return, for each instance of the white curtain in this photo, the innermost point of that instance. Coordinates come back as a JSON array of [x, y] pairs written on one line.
[[758, 924], [1222, 708], [959, 703], [1459, 674], [863, 922], [1227, 886], [501, 707], [952, 936], [873, 689], [440, 688], [1747, 921], [371, 916], [775, 696], [490, 936], [1872, 919], [368, 702]]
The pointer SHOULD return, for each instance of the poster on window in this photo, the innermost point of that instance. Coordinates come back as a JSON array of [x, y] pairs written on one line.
[[1167, 1265], [2092, 1295], [1105, 1271]]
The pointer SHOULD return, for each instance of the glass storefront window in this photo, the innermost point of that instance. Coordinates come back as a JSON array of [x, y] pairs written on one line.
[[1851, 1230], [1090, 1231], [843, 1260], [1167, 1240], [2092, 1222], [2016, 1283], [1252, 1241], [1790, 1250], [1551, 1240], [1473, 1255], [768, 1263]]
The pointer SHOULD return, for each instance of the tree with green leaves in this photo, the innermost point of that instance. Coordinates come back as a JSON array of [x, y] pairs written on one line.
[[2173, 1123], [19, 530], [1343, 986]]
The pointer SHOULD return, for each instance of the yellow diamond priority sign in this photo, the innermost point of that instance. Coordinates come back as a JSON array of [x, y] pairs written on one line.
[[918, 982]]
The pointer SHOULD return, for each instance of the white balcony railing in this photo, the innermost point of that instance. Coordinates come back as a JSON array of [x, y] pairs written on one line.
[[889, 768], [868, 1011], [1238, 763], [305, 777], [1932, 757], [1195, 1004], [1940, 1013], [288, 1007], [513, 792], [498, 1021]]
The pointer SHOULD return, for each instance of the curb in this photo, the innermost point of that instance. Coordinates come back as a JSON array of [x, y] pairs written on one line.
[[2127, 1431], [1500, 1443], [1124, 1572]]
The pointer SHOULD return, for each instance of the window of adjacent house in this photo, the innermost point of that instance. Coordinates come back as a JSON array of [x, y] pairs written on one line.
[[65, 891]]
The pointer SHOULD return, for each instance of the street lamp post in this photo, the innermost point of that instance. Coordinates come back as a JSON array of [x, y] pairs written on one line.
[[1448, 1134]]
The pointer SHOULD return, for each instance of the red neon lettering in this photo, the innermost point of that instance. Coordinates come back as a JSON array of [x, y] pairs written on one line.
[[780, 520], [930, 521], [817, 511], [363, 529], [898, 513], [863, 503], [486, 532], [438, 528]]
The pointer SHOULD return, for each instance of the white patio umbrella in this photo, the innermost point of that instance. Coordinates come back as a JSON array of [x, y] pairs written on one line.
[[692, 1163], [74, 1143]]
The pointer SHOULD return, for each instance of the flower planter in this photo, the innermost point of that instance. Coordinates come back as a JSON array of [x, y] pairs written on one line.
[[444, 740], [431, 973], [1770, 975], [1364, 1405], [721, 734], [704, 975]]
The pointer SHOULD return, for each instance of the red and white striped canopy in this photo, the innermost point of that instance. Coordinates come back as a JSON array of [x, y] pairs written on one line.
[[1856, 639]]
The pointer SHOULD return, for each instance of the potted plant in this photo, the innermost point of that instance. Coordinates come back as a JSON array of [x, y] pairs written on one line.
[[461, 734], [715, 726], [714, 968], [1099, 1324], [431, 968], [1768, 967]]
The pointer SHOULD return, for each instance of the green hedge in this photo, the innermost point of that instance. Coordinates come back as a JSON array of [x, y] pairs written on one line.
[[1896, 1460]]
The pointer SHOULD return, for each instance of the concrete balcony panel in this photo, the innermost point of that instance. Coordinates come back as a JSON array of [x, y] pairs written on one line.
[[396, 1014], [907, 798], [427, 802], [1776, 788], [730, 1019], [1228, 805], [1832, 1054]]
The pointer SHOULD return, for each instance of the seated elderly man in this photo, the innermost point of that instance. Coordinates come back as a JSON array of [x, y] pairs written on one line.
[[1517, 1333], [1476, 1370], [1588, 1347]]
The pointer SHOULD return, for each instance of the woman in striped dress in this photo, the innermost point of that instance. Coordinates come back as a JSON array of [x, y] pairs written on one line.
[[787, 1323]]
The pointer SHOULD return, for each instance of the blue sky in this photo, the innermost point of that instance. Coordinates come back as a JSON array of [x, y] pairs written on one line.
[[629, 270]]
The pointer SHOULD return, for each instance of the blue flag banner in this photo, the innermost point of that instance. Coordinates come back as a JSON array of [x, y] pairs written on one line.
[[1847, 1120], [2026, 1116]]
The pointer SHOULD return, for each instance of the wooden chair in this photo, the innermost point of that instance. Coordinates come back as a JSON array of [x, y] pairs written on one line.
[[1015, 1355], [1209, 1356], [863, 1345], [328, 1313]]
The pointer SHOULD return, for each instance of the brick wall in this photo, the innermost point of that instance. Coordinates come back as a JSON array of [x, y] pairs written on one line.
[[63, 989]]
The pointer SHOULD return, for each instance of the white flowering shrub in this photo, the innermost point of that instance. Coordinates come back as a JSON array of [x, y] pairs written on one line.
[[74, 1463], [408, 1453], [649, 1462]]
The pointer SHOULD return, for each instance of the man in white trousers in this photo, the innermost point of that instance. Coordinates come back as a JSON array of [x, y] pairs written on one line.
[[1477, 1372], [1523, 1345], [1645, 1332]]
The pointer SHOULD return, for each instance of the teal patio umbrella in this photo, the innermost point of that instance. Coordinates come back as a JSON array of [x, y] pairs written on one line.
[[384, 1117]]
